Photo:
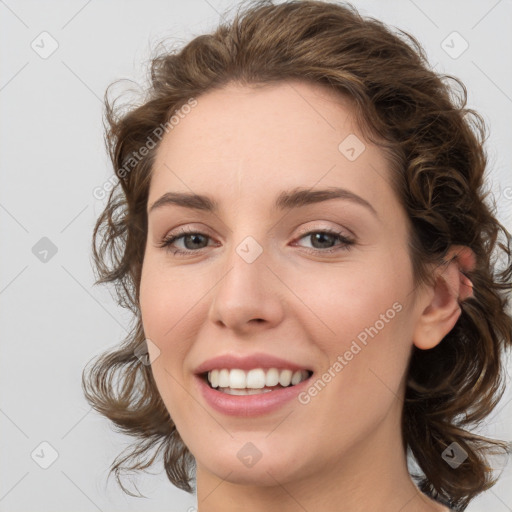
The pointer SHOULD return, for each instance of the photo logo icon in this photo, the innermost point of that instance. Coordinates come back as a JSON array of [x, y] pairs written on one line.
[[351, 147], [249, 250], [44, 250], [249, 455], [454, 45], [454, 455], [44, 455], [147, 352], [45, 45]]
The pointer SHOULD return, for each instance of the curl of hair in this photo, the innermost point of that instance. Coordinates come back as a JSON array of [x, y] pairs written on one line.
[[435, 148]]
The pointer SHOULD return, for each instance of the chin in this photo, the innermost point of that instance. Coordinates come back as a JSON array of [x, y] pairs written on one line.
[[259, 463], [260, 475]]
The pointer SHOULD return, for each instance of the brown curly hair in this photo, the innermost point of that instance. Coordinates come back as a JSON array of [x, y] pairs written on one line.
[[436, 151]]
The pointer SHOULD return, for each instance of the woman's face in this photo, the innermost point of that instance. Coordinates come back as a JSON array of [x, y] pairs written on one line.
[[261, 277]]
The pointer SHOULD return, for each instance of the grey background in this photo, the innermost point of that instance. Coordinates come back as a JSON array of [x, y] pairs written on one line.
[[52, 158]]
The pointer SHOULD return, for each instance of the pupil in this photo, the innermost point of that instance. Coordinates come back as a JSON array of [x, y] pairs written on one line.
[[193, 237], [317, 236]]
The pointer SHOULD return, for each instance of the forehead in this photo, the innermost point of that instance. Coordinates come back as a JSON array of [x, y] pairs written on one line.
[[256, 139], [281, 114]]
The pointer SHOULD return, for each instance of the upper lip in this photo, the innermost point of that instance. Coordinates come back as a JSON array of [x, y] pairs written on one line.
[[258, 360]]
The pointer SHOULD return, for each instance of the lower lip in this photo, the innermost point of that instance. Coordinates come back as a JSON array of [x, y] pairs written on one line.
[[249, 405]]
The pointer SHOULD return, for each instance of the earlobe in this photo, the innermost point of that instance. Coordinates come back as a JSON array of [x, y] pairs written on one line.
[[442, 310]]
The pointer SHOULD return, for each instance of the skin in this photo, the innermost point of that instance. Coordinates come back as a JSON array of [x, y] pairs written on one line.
[[243, 146]]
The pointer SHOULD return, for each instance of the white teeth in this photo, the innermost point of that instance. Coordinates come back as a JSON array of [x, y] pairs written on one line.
[[272, 377], [237, 379], [255, 379], [285, 377], [296, 378], [224, 378]]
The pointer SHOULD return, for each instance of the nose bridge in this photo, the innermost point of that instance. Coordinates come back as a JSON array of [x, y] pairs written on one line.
[[247, 289]]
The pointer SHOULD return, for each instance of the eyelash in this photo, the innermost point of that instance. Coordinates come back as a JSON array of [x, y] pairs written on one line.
[[344, 246]]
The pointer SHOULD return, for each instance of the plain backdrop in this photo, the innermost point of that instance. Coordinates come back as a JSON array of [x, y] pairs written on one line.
[[57, 58]]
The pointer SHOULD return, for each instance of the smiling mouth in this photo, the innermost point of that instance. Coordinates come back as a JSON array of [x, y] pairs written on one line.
[[257, 381]]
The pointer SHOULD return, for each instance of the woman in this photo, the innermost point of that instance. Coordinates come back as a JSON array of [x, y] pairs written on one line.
[[301, 231]]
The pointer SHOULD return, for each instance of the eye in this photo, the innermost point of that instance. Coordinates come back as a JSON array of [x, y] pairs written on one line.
[[184, 234], [323, 238]]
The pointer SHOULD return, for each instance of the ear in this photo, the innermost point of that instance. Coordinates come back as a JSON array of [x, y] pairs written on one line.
[[442, 310]]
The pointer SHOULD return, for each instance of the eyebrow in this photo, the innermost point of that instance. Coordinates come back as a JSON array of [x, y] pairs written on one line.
[[286, 200]]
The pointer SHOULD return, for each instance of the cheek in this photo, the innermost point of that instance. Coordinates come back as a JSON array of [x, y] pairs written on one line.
[[171, 312], [368, 340], [167, 299], [158, 318], [349, 299]]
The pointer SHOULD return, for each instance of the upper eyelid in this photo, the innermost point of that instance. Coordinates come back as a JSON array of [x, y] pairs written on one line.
[[178, 234], [337, 229], [187, 229]]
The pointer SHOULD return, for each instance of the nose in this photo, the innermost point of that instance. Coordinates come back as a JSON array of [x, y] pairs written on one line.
[[249, 294]]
